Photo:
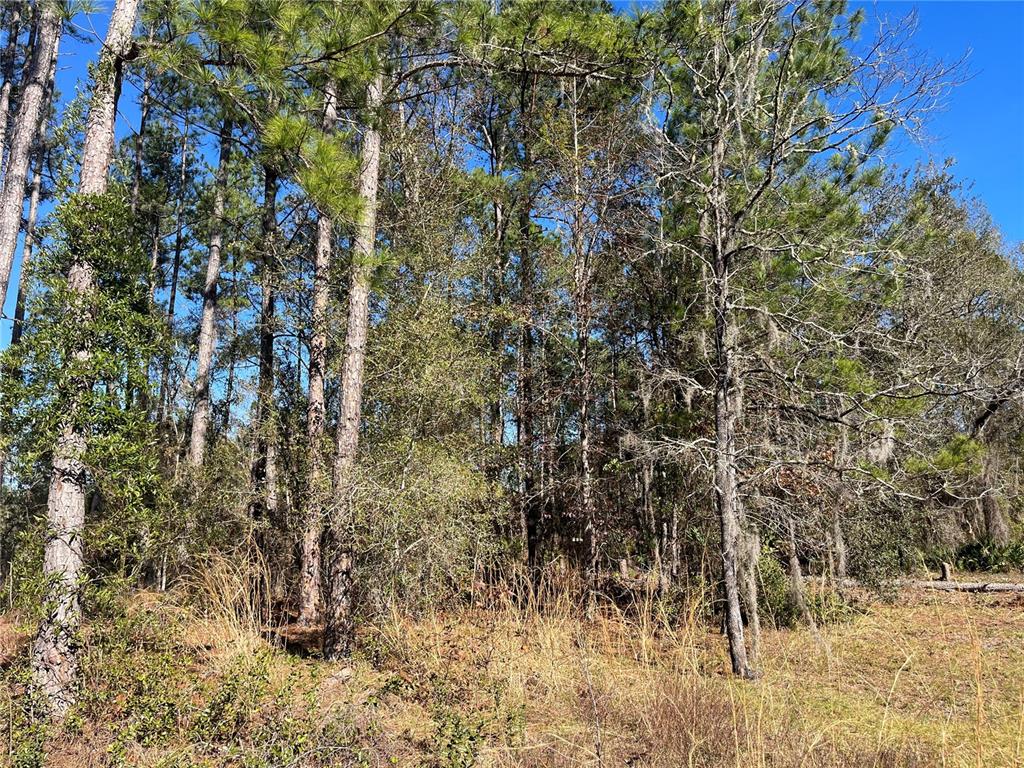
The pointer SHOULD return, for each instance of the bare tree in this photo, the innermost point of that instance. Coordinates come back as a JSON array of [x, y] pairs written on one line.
[[772, 117]]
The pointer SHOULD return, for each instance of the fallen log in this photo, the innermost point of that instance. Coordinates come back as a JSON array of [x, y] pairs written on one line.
[[947, 585], [967, 586]]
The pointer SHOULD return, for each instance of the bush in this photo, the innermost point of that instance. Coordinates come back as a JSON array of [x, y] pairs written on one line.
[[987, 555]]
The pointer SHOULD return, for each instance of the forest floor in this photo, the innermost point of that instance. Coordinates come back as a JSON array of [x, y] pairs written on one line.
[[930, 679]]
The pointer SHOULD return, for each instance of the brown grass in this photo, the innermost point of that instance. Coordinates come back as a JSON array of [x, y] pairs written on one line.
[[937, 679]]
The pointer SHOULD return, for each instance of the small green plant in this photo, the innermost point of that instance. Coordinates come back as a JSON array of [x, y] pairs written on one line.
[[457, 738], [228, 710], [27, 728]]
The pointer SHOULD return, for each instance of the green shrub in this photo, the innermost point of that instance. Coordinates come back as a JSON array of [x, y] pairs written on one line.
[[987, 555]]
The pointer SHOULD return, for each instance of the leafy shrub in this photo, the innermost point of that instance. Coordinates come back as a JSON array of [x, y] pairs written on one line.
[[773, 591], [457, 738], [987, 555], [826, 605]]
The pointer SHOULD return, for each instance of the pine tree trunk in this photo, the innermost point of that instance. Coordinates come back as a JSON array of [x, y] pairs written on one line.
[[55, 649], [525, 428], [586, 468], [229, 384], [172, 298], [264, 466], [26, 129], [140, 136], [208, 320], [18, 323], [28, 244], [98, 147], [316, 413], [495, 281], [339, 629], [8, 60], [582, 277]]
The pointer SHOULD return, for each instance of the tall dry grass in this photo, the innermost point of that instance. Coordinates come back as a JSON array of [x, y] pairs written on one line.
[[632, 687], [517, 677], [231, 598]]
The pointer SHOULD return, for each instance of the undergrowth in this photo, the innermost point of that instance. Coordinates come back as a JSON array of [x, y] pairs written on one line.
[[187, 679]]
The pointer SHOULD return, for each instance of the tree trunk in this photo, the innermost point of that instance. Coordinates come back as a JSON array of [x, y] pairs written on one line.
[[35, 192], [172, 298], [495, 282], [839, 552], [586, 468], [208, 320], [316, 414], [8, 59], [229, 384], [582, 278], [996, 528], [525, 429], [55, 649], [264, 466], [749, 554], [26, 129], [726, 487], [98, 147], [339, 627], [140, 136], [28, 244], [796, 578]]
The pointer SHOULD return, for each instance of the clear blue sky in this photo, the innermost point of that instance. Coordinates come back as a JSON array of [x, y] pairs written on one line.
[[983, 123]]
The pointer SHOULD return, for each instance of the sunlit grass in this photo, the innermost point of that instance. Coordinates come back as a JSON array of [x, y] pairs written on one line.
[[935, 679]]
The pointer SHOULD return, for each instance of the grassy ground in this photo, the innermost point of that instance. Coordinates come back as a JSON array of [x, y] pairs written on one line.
[[933, 679]]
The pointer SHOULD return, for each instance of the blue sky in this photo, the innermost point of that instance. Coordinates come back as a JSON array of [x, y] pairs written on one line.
[[982, 125]]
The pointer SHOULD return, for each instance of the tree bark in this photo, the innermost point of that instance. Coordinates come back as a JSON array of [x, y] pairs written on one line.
[[316, 413], [28, 244], [8, 59], [229, 384], [55, 648], [140, 136], [525, 428], [26, 129], [208, 320], [98, 147], [339, 627], [264, 466], [749, 554], [582, 277], [726, 487], [35, 192], [996, 528], [796, 577], [172, 298]]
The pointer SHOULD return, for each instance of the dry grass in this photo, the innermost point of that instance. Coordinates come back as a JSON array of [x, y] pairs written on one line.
[[937, 679]]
